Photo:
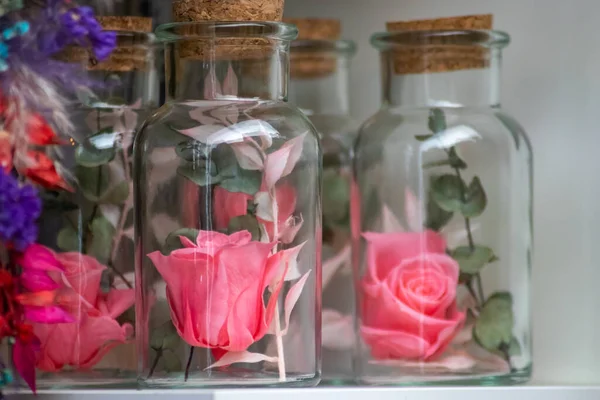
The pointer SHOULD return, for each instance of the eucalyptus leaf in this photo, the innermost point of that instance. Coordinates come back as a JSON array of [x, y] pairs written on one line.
[[472, 261], [245, 223], [173, 241], [336, 196], [447, 192], [198, 173], [93, 182], [437, 217], [172, 363], [514, 348], [98, 149], [100, 239], [493, 328], [422, 138], [118, 195], [455, 161], [437, 120], [68, 239], [165, 337], [475, 199], [192, 151], [242, 181]]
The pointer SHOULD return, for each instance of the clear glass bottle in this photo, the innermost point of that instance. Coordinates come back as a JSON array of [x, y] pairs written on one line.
[[319, 87], [87, 191], [227, 215], [442, 218]]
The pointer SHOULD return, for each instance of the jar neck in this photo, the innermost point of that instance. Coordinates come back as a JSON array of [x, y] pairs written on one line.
[[224, 71], [322, 92], [477, 87]]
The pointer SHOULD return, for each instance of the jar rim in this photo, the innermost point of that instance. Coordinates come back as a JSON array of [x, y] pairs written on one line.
[[468, 38], [345, 47], [226, 29]]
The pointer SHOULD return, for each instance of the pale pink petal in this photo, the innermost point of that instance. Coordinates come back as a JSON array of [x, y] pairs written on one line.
[[337, 332], [333, 264], [291, 299], [390, 222], [111, 212], [202, 133], [137, 105], [453, 361], [264, 206], [212, 87], [393, 344], [131, 120], [241, 357], [290, 229], [486, 360], [48, 315], [413, 210], [24, 361], [187, 243], [248, 156], [119, 300], [285, 265], [230, 84], [280, 163]]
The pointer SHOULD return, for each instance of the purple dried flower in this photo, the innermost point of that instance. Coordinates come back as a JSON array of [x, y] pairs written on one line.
[[20, 207]]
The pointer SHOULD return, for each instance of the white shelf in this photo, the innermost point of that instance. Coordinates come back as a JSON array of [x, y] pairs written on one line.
[[357, 393]]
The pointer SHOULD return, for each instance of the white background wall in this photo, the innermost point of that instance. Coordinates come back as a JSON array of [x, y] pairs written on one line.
[[552, 86]]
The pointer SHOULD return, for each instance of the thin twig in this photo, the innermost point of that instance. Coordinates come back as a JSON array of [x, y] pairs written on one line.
[[189, 363], [278, 338], [155, 363]]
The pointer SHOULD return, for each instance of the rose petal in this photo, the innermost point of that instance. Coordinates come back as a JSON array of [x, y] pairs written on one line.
[[290, 229], [264, 206], [241, 357]]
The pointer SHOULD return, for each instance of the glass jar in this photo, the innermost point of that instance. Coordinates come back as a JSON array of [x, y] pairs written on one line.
[[227, 211], [319, 87], [442, 218], [87, 192]]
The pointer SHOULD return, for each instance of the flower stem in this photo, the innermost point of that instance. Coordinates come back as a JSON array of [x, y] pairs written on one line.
[[155, 363], [278, 336], [189, 363]]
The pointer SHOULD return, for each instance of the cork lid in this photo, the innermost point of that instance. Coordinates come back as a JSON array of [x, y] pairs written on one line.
[[133, 49], [433, 52], [315, 54], [227, 10]]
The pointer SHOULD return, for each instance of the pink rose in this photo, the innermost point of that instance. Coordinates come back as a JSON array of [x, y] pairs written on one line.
[[228, 205], [216, 287], [83, 343], [409, 296]]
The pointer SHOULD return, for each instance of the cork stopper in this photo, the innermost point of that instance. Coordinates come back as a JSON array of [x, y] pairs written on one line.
[[132, 50], [439, 53], [306, 63], [225, 10]]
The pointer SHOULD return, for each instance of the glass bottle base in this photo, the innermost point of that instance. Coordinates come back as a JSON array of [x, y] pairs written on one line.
[[86, 380], [228, 380], [505, 379]]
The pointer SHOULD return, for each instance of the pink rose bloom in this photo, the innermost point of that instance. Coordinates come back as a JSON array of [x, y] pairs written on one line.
[[409, 296], [83, 343], [216, 286], [229, 205]]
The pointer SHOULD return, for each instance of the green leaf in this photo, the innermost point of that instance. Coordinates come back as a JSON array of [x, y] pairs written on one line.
[[93, 182], [165, 337], [455, 161], [118, 195], [437, 120], [100, 239], [173, 242], [68, 239], [437, 217], [247, 223], [493, 328], [514, 348], [422, 138], [172, 363], [475, 199], [447, 191], [198, 173], [91, 155], [243, 181], [336, 196], [192, 151], [471, 261]]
